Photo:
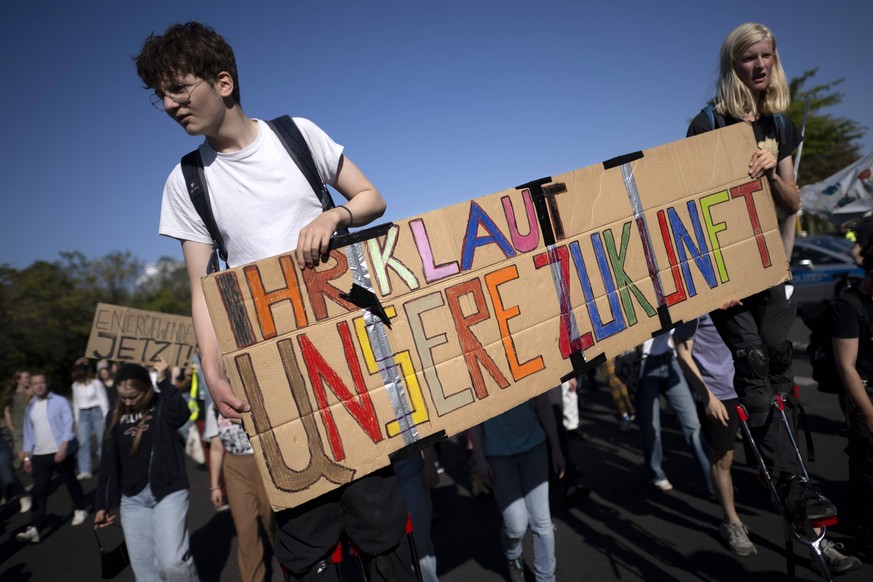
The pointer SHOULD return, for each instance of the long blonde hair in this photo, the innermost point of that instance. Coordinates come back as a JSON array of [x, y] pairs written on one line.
[[732, 96], [135, 377]]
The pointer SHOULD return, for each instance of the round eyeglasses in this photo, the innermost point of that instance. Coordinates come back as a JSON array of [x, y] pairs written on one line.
[[178, 93]]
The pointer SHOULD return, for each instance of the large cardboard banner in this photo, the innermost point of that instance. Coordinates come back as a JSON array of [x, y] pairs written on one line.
[[485, 304], [136, 336]]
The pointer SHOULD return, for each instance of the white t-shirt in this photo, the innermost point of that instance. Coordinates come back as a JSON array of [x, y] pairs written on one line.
[[259, 197], [231, 434], [43, 437], [658, 345]]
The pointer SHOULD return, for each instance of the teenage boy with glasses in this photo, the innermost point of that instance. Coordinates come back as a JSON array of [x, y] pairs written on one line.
[[264, 206]]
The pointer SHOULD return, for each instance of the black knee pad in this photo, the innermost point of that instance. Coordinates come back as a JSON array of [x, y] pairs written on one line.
[[780, 357], [752, 363]]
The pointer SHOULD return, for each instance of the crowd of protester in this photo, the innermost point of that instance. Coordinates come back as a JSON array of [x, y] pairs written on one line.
[[518, 455], [133, 425]]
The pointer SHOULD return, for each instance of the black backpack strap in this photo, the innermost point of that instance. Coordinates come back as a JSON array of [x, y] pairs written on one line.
[[195, 181], [780, 121], [290, 136], [716, 120]]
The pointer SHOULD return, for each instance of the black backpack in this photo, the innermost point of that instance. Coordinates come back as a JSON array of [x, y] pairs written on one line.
[[820, 349], [290, 136]]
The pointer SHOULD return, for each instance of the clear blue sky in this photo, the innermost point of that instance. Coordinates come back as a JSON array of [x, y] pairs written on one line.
[[438, 102]]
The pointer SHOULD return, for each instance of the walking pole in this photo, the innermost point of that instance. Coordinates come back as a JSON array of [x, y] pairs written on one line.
[[774, 493], [791, 529], [815, 542]]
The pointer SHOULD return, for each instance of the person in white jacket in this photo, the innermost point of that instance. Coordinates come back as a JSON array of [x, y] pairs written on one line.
[[90, 406]]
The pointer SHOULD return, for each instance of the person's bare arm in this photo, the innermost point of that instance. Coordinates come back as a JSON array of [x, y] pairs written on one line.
[[785, 192], [216, 459], [228, 405], [846, 354], [715, 409], [856, 254], [364, 205], [483, 467]]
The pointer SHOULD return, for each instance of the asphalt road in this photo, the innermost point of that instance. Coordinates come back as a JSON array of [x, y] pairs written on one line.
[[626, 530]]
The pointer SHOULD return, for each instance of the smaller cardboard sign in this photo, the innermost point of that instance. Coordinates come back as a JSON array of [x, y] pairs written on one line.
[[135, 336]]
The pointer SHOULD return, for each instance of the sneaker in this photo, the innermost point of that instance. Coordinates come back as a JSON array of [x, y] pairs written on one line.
[[663, 484], [837, 562], [577, 492], [516, 570], [79, 516], [26, 503], [737, 537], [626, 423], [804, 500], [84, 476], [31, 534]]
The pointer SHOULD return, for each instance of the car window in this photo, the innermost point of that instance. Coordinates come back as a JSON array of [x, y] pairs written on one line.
[[817, 257], [839, 245]]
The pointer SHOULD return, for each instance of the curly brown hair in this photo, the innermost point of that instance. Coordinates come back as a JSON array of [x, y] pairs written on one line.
[[191, 48]]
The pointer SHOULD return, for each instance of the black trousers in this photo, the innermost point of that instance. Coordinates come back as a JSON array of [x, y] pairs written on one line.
[[42, 469], [762, 322], [369, 510], [860, 451]]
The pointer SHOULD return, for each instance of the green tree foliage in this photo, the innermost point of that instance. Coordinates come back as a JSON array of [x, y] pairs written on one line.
[[47, 318], [47, 309], [830, 143]]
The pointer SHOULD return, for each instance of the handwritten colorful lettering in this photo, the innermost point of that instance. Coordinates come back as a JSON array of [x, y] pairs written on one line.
[[489, 302]]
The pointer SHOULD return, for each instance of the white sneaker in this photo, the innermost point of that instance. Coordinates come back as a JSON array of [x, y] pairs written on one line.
[[737, 537], [84, 476], [663, 484], [626, 423], [29, 535], [79, 516], [837, 561], [26, 502]]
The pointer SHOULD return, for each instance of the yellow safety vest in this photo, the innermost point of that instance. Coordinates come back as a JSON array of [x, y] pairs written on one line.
[[193, 401]]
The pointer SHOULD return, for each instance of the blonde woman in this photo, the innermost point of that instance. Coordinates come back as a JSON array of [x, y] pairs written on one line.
[[143, 471], [753, 89]]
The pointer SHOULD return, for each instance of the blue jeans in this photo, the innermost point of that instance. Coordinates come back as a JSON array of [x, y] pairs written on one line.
[[521, 488], [10, 486], [156, 533], [662, 375], [90, 422]]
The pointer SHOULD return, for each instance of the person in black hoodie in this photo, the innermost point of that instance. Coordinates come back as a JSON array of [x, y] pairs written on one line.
[[143, 471]]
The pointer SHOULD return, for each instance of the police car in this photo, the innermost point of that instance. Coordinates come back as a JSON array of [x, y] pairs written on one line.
[[820, 266]]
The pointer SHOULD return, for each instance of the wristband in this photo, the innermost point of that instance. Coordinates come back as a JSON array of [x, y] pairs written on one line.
[[214, 488], [351, 216]]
